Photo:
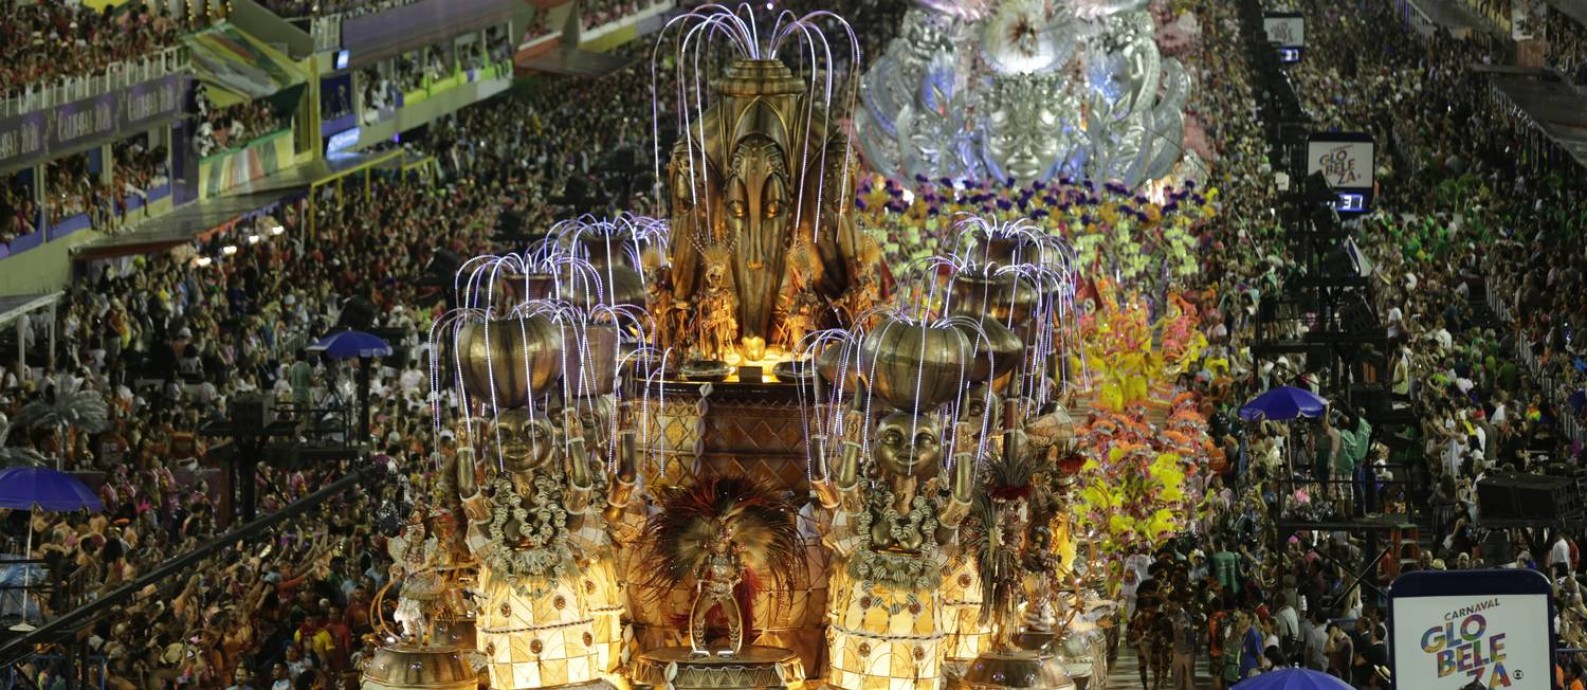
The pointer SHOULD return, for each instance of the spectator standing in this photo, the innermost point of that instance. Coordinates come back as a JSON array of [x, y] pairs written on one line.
[[1314, 641], [1559, 561], [301, 376], [1251, 646], [1186, 644]]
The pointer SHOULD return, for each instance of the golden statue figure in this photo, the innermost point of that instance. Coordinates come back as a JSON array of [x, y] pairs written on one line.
[[716, 323], [760, 170], [415, 557], [606, 470], [898, 507], [533, 624]]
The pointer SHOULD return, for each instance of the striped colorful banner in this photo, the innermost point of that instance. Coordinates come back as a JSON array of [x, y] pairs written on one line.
[[237, 67], [265, 156]]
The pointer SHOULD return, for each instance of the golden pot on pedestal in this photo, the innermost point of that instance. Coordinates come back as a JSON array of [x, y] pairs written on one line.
[[611, 286], [997, 349], [915, 367], [509, 361], [1006, 297], [457, 632], [589, 359]]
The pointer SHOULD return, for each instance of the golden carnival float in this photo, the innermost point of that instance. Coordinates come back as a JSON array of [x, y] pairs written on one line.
[[729, 449]]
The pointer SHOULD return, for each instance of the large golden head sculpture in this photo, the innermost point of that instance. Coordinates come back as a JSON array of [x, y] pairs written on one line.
[[760, 173]]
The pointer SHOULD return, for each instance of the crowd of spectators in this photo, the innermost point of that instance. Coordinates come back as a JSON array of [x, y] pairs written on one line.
[[169, 339], [44, 41], [168, 342], [295, 9], [417, 69], [1477, 254], [599, 13], [497, 49], [139, 169], [1567, 46], [19, 210], [1476, 227], [76, 189], [539, 27], [234, 126], [381, 93]]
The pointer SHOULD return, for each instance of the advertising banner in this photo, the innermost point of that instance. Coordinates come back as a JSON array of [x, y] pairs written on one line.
[[39, 135], [1489, 627], [22, 140], [1347, 160], [1287, 29], [1346, 163], [1500, 641], [81, 122], [152, 103]]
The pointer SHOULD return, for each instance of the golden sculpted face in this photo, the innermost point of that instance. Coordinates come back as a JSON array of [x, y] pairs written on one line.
[[758, 200], [528, 443], [746, 179], [759, 216], [908, 446]]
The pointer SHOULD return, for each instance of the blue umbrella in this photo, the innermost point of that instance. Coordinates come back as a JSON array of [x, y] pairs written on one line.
[[350, 344], [1292, 679], [1283, 403], [41, 488]]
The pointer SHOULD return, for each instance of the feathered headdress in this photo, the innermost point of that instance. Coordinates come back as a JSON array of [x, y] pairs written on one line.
[[761, 524], [75, 406]]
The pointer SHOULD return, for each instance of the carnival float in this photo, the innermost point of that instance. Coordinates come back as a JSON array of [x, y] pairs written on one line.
[[764, 442], [1031, 90]]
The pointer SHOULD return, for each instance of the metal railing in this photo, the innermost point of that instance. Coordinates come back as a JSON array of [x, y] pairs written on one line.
[[1366, 494], [28, 644], [1548, 378], [21, 100], [327, 33]]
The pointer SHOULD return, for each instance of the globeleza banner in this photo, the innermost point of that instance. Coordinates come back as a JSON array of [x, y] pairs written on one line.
[[1347, 163], [1447, 642]]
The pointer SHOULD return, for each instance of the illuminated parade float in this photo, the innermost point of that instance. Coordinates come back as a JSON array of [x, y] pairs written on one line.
[[755, 444]]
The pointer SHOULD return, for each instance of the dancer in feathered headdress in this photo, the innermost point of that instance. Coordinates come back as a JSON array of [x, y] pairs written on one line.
[[726, 532], [1003, 519]]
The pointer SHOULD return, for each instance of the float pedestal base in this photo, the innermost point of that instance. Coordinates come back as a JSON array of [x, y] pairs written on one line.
[[755, 668], [1015, 671]]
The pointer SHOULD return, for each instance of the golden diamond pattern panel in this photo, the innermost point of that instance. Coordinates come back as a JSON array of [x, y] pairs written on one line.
[[763, 440], [535, 639], [603, 598], [760, 438], [670, 439], [961, 602], [886, 638]]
